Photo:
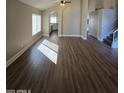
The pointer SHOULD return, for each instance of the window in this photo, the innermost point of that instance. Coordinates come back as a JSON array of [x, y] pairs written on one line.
[[36, 24], [53, 19]]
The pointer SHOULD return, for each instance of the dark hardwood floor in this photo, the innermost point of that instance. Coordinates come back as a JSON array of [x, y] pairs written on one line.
[[83, 66]]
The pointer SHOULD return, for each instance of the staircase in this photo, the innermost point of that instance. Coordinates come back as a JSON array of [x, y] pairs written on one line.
[[108, 40]]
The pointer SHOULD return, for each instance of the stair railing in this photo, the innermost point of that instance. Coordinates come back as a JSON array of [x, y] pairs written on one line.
[[115, 39]]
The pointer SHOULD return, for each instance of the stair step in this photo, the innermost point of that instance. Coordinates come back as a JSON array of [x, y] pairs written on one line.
[[110, 38], [108, 42], [111, 35]]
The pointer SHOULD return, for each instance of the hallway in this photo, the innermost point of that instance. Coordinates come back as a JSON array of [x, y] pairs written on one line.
[[83, 66]]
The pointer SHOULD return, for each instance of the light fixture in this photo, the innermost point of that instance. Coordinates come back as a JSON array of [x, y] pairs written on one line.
[[63, 2]]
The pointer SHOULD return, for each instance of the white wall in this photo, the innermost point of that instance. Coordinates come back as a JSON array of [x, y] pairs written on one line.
[[84, 15], [93, 24], [68, 18], [91, 5], [106, 4], [19, 26], [109, 4], [71, 19]]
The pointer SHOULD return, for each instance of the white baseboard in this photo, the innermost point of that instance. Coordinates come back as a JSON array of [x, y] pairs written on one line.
[[59, 35], [12, 59], [70, 35], [83, 37]]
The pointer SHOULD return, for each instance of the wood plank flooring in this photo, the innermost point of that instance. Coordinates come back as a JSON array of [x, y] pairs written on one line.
[[83, 66]]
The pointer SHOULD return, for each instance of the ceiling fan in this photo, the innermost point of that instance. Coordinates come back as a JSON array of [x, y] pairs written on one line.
[[63, 2]]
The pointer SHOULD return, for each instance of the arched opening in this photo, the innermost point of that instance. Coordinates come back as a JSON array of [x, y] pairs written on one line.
[[53, 23]]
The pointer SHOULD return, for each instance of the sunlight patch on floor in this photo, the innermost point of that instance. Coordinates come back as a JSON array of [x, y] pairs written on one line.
[[50, 45], [49, 49]]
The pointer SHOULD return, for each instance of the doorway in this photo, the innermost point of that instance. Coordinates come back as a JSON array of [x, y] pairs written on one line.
[[53, 21]]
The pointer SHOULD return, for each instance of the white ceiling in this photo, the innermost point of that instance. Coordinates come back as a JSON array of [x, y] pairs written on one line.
[[40, 4]]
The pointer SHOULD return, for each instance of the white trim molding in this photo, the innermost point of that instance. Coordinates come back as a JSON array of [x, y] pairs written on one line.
[[70, 35], [83, 37], [12, 59]]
